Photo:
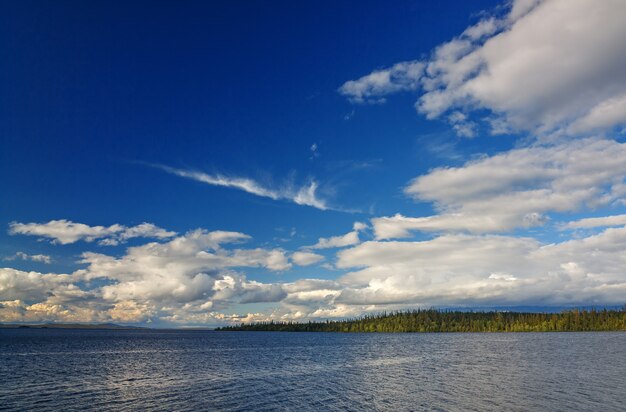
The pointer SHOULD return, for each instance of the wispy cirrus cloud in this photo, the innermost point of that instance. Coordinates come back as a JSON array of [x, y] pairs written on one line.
[[305, 195]]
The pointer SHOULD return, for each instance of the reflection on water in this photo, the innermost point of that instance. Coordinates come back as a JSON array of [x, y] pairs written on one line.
[[200, 370]]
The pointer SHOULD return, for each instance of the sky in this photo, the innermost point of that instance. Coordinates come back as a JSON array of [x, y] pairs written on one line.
[[206, 163]]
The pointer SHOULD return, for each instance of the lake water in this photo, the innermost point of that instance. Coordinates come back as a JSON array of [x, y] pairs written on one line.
[[246, 371]]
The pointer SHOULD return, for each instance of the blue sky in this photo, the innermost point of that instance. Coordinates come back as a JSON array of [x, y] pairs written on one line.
[[207, 163]]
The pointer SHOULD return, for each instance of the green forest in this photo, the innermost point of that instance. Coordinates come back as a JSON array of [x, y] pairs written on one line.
[[432, 320]]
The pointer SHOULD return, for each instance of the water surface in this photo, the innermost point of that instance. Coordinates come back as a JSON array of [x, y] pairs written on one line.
[[74, 370]]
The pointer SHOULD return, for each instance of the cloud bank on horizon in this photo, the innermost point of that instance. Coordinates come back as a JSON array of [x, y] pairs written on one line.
[[550, 71]]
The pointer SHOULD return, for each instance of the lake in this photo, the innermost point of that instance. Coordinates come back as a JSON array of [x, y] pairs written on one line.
[[242, 371]]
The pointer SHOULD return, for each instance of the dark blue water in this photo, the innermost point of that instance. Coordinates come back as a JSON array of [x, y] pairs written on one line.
[[197, 370]]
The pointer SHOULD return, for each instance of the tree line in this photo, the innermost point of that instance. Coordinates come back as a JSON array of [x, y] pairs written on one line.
[[433, 320]]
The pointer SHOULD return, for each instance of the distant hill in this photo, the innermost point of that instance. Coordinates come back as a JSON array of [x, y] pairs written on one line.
[[68, 326]]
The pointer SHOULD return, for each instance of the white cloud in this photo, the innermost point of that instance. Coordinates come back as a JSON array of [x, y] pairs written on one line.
[[275, 259], [193, 269], [518, 188], [550, 67], [66, 232], [359, 226], [191, 279], [314, 151], [464, 269], [370, 89], [519, 8], [349, 239], [305, 195], [194, 273], [306, 258], [593, 222], [484, 28], [35, 286], [20, 311], [461, 125], [399, 226], [502, 276], [35, 258], [147, 230], [603, 116]]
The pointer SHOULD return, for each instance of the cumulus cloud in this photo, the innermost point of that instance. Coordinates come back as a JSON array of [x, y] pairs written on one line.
[[306, 258], [20, 311], [66, 232], [35, 286], [349, 239], [464, 270], [467, 269], [514, 189], [551, 66], [194, 273], [193, 279], [305, 195], [34, 258], [188, 268]]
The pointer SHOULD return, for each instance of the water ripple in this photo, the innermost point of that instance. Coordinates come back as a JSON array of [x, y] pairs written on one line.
[[243, 371]]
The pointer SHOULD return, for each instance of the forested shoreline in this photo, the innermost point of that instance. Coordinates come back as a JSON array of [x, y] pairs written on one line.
[[432, 320]]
